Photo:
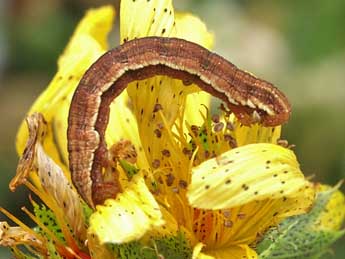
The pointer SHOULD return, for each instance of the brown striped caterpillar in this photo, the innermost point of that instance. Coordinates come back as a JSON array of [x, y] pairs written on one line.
[[250, 98]]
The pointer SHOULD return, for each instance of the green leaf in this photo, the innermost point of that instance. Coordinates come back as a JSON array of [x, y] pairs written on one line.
[[129, 168]]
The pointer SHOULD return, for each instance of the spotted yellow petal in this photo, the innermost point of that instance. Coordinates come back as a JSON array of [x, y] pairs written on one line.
[[245, 223], [86, 45], [157, 18], [298, 203], [146, 18], [256, 134], [252, 219], [244, 174], [191, 28], [128, 217]]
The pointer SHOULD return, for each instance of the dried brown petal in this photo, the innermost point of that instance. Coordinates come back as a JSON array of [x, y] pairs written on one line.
[[13, 236], [52, 178], [37, 128], [56, 184]]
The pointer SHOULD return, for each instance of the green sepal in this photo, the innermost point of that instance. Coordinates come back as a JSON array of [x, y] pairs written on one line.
[[48, 219], [296, 237], [173, 247], [87, 212], [52, 250]]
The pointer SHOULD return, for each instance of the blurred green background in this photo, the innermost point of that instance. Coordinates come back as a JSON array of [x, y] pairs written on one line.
[[298, 45]]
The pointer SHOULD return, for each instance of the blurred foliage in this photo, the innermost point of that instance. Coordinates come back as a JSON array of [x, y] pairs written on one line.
[[316, 30], [43, 36], [313, 28], [55, 29], [298, 44]]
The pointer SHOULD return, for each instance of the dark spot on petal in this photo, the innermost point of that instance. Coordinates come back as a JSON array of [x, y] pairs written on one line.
[[157, 107], [218, 127], [215, 118], [166, 152], [170, 178], [183, 184], [156, 163], [158, 133]]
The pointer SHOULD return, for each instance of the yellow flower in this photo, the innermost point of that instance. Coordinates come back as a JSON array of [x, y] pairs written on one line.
[[226, 202], [200, 180]]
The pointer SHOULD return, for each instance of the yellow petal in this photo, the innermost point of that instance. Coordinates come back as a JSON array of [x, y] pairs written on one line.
[[234, 252], [123, 126], [96, 23], [191, 28], [194, 104], [170, 228], [146, 18], [197, 254], [256, 134], [128, 217], [253, 219], [86, 45], [157, 18], [203, 256], [298, 203], [96, 249], [244, 174]]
